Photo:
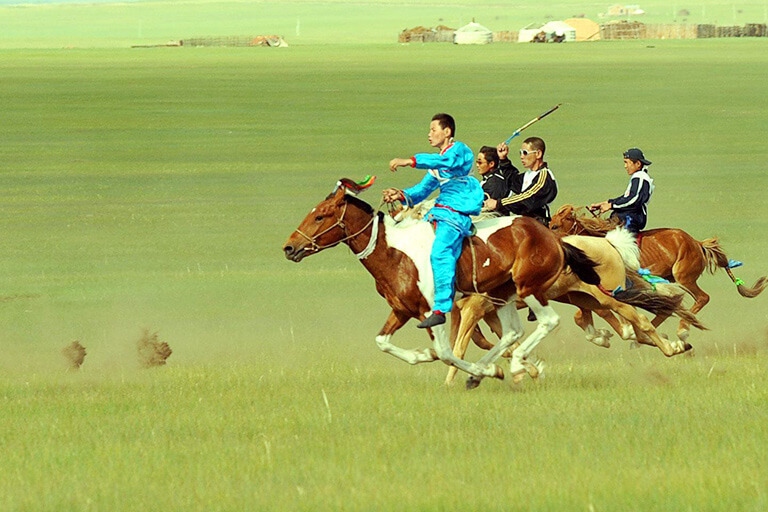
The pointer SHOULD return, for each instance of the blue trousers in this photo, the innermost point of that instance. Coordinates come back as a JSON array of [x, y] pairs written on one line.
[[445, 253]]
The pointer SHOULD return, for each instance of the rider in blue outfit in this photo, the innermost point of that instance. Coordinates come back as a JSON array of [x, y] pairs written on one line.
[[460, 196]]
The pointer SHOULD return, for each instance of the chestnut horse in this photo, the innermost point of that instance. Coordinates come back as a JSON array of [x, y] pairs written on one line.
[[667, 252], [505, 249]]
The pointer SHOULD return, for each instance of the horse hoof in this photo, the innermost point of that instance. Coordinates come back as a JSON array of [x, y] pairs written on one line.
[[600, 341], [518, 377], [535, 368], [473, 382], [498, 372]]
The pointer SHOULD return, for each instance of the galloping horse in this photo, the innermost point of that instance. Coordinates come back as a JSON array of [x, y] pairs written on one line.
[[667, 252], [617, 261], [506, 249]]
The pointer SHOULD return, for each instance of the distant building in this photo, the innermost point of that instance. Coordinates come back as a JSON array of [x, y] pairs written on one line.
[[473, 33], [550, 31], [622, 11]]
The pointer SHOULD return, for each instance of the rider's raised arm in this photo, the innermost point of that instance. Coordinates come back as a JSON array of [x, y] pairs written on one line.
[[457, 158]]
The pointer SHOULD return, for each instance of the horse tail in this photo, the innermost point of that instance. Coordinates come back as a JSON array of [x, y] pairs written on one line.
[[666, 304], [625, 243], [581, 265], [756, 289], [715, 257], [714, 254]]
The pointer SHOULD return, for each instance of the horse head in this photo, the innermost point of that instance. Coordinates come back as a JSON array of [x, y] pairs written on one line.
[[328, 224], [564, 219]]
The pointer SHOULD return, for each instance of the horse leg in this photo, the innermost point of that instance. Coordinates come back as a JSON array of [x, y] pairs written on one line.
[[471, 310], [512, 330], [394, 322], [643, 328], [622, 327], [599, 337], [701, 299], [445, 354], [547, 320], [492, 319]]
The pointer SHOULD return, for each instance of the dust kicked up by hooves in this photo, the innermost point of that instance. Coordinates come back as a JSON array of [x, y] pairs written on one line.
[[75, 354], [151, 351]]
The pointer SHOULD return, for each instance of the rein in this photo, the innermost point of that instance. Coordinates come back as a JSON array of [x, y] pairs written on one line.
[[340, 224], [493, 300]]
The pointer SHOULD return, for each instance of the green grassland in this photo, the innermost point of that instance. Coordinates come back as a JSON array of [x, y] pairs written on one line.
[[153, 189]]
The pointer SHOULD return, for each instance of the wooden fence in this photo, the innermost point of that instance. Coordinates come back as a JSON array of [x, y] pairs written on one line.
[[637, 30], [271, 40], [506, 36]]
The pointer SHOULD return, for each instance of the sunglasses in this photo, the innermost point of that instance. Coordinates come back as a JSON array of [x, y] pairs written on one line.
[[526, 152]]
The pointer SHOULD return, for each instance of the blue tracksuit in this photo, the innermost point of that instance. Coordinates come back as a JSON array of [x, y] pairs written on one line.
[[460, 196]]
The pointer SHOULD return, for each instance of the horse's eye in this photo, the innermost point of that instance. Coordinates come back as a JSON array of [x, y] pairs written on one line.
[[318, 218]]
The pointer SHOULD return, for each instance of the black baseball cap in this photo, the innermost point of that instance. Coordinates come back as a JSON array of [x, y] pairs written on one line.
[[636, 154]]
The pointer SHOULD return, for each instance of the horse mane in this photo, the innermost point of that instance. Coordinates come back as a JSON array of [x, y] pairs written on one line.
[[360, 204], [355, 201], [595, 226]]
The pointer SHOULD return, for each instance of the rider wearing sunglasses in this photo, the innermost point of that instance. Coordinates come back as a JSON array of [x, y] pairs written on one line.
[[531, 192], [496, 180]]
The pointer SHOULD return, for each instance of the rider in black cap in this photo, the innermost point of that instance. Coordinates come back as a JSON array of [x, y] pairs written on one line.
[[630, 208]]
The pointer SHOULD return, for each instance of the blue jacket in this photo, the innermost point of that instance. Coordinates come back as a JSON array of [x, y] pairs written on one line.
[[633, 202], [449, 171]]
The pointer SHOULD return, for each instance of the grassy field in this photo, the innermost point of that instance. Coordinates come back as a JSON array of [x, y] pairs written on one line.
[[153, 189]]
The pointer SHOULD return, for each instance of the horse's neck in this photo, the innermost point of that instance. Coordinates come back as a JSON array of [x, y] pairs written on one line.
[[362, 224], [383, 262]]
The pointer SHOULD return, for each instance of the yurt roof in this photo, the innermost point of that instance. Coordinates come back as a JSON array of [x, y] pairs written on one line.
[[473, 27]]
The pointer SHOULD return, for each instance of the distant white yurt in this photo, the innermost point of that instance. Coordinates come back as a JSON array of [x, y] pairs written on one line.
[[527, 33], [473, 33], [560, 27]]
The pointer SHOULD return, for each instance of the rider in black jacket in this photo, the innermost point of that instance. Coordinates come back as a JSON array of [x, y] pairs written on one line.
[[531, 192]]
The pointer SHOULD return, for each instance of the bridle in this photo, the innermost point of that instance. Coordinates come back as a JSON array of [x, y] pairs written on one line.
[[340, 224]]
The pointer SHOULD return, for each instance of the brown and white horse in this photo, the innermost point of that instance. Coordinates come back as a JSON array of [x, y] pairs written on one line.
[[669, 253], [617, 261], [507, 249]]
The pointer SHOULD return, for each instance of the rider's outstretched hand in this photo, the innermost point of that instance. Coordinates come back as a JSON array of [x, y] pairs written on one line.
[[390, 195]]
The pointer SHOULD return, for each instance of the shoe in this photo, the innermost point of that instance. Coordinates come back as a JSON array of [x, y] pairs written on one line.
[[432, 320], [531, 316]]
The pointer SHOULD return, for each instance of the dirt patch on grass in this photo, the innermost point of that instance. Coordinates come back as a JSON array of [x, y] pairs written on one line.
[[151, 351], [75, 354]]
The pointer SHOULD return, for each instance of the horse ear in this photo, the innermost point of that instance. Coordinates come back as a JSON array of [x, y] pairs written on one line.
[[338, 193], [354, 188]]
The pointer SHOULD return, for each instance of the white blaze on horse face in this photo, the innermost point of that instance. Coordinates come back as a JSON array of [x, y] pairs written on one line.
[[414, 239]]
